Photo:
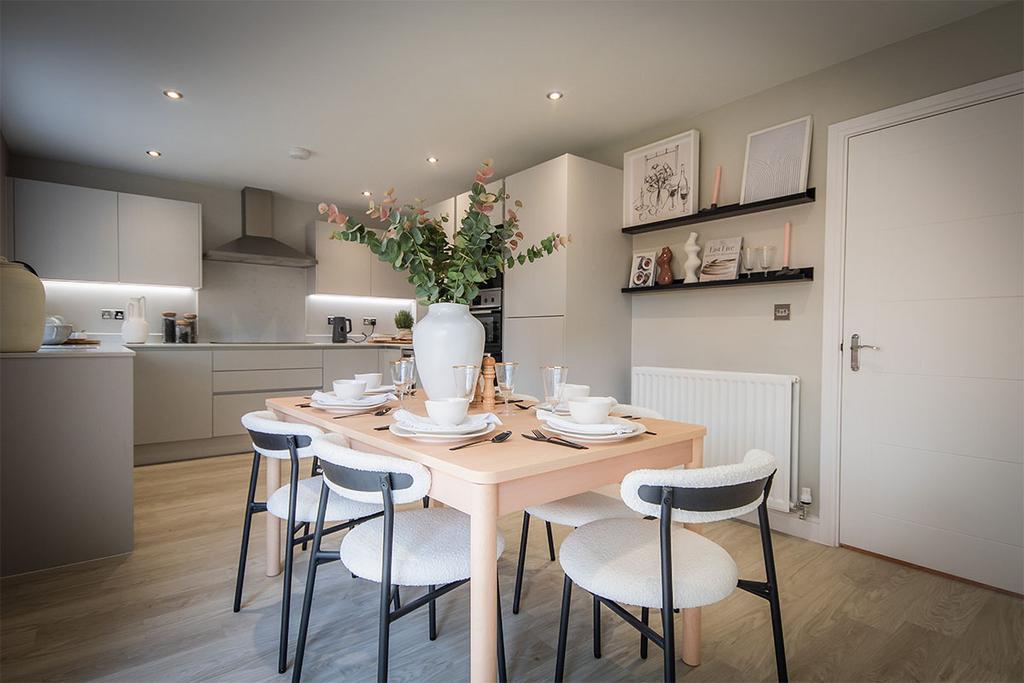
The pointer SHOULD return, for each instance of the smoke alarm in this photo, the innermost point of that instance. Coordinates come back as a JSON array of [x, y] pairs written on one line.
[[299, 153]]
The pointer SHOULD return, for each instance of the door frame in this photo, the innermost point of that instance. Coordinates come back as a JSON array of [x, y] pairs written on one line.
[[839, 135]]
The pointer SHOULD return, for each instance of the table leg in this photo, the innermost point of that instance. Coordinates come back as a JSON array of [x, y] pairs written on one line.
[[273, 523], [691, 617], [483, 617]]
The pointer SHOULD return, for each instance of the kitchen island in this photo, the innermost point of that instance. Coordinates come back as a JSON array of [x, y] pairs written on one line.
[[65, 456]]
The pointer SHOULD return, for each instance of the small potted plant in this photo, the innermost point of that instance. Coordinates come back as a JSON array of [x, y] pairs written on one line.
[[403, 321], [447, 273]]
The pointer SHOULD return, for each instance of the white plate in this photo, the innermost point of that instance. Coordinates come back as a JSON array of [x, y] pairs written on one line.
[[342, 410], [457, 430], [432, 437], [561, 410], [638, 429], [382, 389], [378, 401]]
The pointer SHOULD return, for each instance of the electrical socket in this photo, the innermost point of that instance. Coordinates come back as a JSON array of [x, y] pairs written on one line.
[[118, 314], [370, 321], [111, 314]]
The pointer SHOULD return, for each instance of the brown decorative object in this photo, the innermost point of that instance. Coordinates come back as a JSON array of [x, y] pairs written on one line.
[[664, 261], [487, 376]]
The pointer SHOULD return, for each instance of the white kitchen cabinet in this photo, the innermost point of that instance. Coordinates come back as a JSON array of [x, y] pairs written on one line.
[[386, 281], [341, 267], [66, 232], [497, 215], [445, 207], [159, 241], [535, 342], [344, 363], [172, 396]]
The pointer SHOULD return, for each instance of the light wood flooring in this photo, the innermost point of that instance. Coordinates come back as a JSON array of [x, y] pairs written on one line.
[[163, 613]]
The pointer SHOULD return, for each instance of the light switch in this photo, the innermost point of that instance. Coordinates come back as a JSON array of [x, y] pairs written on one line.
[[782, 311]]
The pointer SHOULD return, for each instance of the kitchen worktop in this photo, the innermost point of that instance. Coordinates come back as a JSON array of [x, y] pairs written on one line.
[[233, 346], [98, 351]]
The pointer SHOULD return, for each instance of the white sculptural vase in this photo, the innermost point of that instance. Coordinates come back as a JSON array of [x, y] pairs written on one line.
[[692, 264], [446, 337]]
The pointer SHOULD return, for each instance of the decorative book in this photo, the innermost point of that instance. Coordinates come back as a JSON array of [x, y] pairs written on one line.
[[721, 259]]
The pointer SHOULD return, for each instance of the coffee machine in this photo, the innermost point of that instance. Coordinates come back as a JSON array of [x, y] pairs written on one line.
[[341, 327]]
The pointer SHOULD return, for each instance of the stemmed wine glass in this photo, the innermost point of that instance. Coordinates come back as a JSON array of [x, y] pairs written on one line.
[[555, 377], [465, 380], [506, 376], [765, 255], [749, 259], [403, 372]]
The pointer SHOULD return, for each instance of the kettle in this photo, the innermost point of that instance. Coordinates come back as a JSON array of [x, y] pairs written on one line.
[[341, 327], [135, 329]]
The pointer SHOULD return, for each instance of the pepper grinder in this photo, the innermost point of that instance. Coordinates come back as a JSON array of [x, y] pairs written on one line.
[[488, 374]]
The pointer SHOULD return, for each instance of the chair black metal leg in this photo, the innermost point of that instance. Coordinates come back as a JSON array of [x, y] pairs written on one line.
[[563, 628], [289, 556], [432, 609], [773, 591], [305, 532], [669, 651], [398, 599], [551, 542], [307, 600], [645, 619], [597, 628], [246, 527], [502, 668], [426, 502], [668, 625], [383, 633], [522, 562]]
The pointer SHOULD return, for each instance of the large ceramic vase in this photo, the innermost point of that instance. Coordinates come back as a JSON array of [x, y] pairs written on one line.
[[447, 336], [22, 308]]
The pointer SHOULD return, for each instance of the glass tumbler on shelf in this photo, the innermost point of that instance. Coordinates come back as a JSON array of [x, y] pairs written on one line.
[[766, 256], [466, 380], [402, 374], [555, 377], [506, 377], [750, 259]]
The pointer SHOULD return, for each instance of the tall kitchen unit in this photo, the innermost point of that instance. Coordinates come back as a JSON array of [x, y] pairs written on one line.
[[567, 308]]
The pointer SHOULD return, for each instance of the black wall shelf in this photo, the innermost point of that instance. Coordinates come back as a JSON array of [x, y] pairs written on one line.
[[774, 277], [728, 211]]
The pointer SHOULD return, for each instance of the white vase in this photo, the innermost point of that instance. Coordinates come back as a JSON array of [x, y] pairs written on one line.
[[447, 336], [692, 263], [135, 328]]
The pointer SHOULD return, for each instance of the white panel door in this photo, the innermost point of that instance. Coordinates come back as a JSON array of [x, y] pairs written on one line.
[[159, 241], [932, 440], [534, 342], [66, 232]]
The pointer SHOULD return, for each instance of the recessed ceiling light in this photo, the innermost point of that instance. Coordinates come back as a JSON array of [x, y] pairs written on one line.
[[431, 160], [367, 193], [554, 95], [153, 153], [173, 94]]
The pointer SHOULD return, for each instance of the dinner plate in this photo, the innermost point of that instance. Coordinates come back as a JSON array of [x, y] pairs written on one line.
[[561, 410], [457, 430], [344, 410], [433, 437], [638, 429]]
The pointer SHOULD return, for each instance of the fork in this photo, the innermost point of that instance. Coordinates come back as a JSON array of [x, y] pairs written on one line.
[[541, 436]]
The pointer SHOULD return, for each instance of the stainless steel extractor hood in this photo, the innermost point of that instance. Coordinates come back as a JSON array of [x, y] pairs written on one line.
[[257, 244]]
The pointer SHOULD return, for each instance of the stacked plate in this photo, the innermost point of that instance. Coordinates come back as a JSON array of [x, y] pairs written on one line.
[[611, 430], [328, 401], [419, 428], [382, 389]]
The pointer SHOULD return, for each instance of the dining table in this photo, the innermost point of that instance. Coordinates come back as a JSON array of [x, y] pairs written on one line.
[[491, 480]]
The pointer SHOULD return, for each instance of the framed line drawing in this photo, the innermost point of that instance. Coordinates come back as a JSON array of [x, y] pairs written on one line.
[[660, 180], [777, 161]]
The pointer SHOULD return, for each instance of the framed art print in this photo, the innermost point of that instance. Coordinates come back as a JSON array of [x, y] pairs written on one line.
[[641, 272], [776, 161], [660, 180]]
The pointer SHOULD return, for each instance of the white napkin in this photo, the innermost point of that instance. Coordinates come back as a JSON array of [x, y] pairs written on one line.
[[421, 423], [570, 425], [329, 399]]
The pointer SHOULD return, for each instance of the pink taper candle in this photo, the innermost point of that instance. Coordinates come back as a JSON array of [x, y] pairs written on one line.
[[718, 185], [785, 247]]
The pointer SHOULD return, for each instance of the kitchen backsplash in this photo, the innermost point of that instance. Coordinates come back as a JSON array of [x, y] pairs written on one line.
[[319, 306]]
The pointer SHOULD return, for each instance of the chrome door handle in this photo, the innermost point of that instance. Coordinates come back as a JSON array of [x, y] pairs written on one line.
[[855, 347]]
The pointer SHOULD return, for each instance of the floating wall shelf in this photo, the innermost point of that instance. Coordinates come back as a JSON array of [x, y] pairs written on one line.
[[728, 211], [773, 277]]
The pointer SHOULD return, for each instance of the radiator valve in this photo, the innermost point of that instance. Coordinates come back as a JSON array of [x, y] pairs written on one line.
[[805, 500]]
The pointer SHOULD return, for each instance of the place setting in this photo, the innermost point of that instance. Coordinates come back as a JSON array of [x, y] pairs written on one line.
[[358, 396], [574, 416]]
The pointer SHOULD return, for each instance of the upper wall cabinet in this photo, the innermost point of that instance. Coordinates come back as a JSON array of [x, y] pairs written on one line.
[[66, 232], [79, 233], [158, 241], [442, 208], [497, 215], [386, 281], [341, 267]]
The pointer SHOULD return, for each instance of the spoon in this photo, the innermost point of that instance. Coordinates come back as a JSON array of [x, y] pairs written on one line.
[[498, 438], [380, 413]]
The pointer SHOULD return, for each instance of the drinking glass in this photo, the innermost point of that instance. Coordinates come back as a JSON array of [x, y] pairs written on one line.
[[765, 256], [506, 376], [555, 377], [749, 259], [465, 380], [402, 372]]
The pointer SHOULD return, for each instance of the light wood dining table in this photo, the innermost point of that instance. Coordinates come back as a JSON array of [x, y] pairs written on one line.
[[491, 480]]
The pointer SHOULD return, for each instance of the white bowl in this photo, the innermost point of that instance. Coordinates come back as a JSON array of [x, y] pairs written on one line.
[[570, 391], [448, 412], [372, 379], [349, 388], [591, 410]]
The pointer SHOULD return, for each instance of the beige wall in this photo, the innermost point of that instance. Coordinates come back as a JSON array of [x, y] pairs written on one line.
[[732, 329]]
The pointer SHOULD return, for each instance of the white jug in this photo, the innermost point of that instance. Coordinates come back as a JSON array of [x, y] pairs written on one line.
[[135, 329]]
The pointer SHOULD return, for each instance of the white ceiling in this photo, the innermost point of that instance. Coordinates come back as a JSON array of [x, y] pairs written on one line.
[[373, 88]]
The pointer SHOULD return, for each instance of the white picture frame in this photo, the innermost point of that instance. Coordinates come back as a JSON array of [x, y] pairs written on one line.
[[777, 161], [660, 180], [641, 270]]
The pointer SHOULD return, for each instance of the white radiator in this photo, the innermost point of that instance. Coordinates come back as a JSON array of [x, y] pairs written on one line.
[[742, 410]]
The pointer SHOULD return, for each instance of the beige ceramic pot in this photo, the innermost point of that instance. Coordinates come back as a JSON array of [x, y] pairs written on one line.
[[22, 308]]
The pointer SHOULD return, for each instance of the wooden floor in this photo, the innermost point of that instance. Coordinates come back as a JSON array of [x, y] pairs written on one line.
[[163, 613]]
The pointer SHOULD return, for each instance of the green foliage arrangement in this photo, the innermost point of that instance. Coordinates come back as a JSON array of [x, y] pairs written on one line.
[[403, 320], [443, 270]]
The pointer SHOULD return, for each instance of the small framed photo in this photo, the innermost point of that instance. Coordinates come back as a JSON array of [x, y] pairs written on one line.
[[777, 161], [641, 274], [659, 180]]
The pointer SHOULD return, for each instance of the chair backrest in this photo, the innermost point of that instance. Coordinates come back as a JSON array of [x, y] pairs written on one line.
[[636, 411], [708, 494], [358, 475], [270, 435]]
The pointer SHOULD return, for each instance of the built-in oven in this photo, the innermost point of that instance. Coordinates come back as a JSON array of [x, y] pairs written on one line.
[[486, 308]]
